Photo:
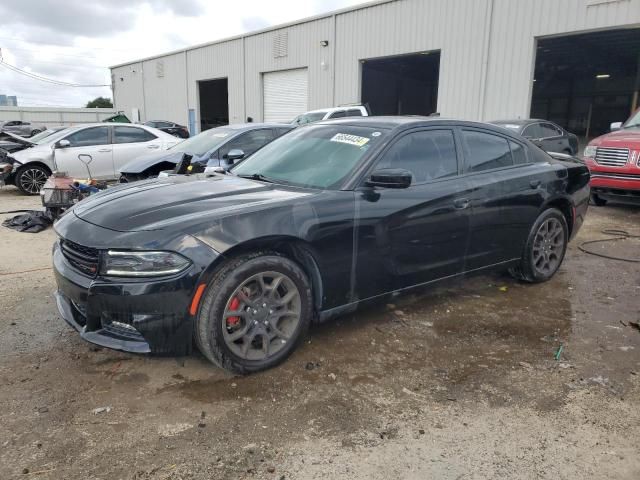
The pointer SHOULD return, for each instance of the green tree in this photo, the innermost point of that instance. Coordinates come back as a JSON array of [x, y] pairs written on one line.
[[100, 102]]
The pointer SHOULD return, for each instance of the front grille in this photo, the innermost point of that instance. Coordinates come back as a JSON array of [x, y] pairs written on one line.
[[84, 259], [612, 157]]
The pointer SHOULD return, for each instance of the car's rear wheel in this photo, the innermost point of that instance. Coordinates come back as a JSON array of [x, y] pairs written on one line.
[[254, 313], [545, 248], [30, 179], [598, 200], [35, 132]]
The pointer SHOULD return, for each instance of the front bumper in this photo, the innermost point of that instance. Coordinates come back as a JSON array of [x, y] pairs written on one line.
[[140, 316], [622, 186]]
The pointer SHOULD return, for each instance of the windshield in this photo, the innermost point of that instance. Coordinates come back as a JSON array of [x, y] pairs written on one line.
[[44, 134], [204, 142], [317, 156], [634, 121], [309, 118], [51, 137]]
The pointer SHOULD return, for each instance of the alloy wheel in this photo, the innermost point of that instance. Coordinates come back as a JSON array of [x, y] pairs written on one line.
[[261, 316], [32, 180], [548, 246]]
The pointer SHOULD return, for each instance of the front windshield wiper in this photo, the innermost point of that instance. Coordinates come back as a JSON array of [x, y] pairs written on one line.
[[257, 176]]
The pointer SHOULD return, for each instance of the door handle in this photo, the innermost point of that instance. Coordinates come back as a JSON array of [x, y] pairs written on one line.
[[153, 146], [535, 183], [104, 150], [461, 203]]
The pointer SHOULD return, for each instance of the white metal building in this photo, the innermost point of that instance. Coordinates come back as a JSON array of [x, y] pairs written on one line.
[[573, 61]]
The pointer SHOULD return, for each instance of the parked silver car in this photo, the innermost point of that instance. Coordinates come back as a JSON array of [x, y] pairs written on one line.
[[109, 145], [25, 129]]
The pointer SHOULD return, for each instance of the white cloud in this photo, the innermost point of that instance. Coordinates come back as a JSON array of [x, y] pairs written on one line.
[[75, 41]]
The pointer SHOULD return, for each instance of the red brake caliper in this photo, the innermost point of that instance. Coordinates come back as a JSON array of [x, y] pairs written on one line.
[[233, 306]]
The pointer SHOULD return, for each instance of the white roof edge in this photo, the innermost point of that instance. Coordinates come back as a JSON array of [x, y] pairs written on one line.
[[258, 32]]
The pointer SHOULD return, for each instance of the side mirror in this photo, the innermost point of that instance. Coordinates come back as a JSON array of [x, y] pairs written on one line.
[[616, 126], [390, 178], [63, 144], [235, 154]]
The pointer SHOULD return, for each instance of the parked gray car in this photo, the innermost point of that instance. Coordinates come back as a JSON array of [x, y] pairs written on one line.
[[25, 129]]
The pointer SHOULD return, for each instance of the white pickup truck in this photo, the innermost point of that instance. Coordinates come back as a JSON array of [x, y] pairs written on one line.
[[331, 113]]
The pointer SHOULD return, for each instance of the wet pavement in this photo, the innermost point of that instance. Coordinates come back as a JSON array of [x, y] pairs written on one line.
[[480, 378]]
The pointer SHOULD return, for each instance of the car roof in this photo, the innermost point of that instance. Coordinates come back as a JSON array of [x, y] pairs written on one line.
[[408, 121], [520, 121], [334, 109], [254, 126]]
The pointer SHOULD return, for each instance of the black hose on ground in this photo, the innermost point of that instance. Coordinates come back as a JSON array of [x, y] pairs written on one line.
[[617, 235]]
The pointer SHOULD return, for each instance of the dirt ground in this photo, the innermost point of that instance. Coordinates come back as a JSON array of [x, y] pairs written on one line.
[[459, 382]]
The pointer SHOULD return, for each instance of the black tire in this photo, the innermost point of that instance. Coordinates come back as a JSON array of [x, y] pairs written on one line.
[[529, 270], [30, 179], [35, 132], [598, 200], [210, 328]]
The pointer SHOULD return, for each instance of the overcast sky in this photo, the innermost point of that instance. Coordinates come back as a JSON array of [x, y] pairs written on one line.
[[76, 40]]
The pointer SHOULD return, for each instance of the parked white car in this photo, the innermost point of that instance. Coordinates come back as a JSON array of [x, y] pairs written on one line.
[[109, 145], [331, 113]]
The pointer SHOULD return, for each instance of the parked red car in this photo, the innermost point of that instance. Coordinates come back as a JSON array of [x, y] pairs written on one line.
[[614, 162]]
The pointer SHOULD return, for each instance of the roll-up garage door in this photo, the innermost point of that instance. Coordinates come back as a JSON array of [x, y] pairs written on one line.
[[285, 94]]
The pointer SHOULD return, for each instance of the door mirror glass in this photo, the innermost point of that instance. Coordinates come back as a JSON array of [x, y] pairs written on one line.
[[616, 126], [63, 144], [390, 178], [235, 154]]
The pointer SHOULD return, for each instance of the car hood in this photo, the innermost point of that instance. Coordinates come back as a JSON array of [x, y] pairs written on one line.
[[16, 138], [624, 138], [180, 201], [141, 163], [37, 152]]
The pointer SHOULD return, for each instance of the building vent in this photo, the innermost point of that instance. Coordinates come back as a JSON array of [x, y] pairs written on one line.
[[281, 45], [159, 69]]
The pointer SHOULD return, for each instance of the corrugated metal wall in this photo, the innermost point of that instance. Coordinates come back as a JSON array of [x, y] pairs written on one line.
[[221, 60], [164, 78], [516, 26], [55, 116], [304, 50], [486, 66]]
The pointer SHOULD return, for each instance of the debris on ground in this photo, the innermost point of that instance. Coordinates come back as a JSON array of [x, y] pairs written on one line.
[[559, 352], [99, 410], [635, 325], [503, 289]]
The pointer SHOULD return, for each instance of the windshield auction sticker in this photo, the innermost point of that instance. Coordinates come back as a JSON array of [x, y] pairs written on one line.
[[350, 139]]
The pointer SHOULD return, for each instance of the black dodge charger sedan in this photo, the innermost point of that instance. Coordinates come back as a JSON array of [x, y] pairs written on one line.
[[319, 221]]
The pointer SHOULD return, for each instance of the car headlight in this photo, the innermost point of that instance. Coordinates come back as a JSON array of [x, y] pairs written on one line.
[[590, 151], [142, 264]]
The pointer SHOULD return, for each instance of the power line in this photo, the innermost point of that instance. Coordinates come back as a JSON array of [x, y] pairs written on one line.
[[46, 79]]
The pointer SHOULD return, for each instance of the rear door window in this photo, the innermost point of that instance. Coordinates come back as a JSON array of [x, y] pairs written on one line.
[[549, 130], [338, 114], [354, 112], [485, 151], [532, 131], [131, 135], [89, 137], [519, 153]]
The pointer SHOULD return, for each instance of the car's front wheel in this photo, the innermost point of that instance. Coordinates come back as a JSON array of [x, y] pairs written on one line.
[[30, 179], [254, 313], [545, 248]]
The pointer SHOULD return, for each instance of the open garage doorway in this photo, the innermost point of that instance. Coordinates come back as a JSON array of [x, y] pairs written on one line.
[[584, 82], [403, 85], [214, 103]]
